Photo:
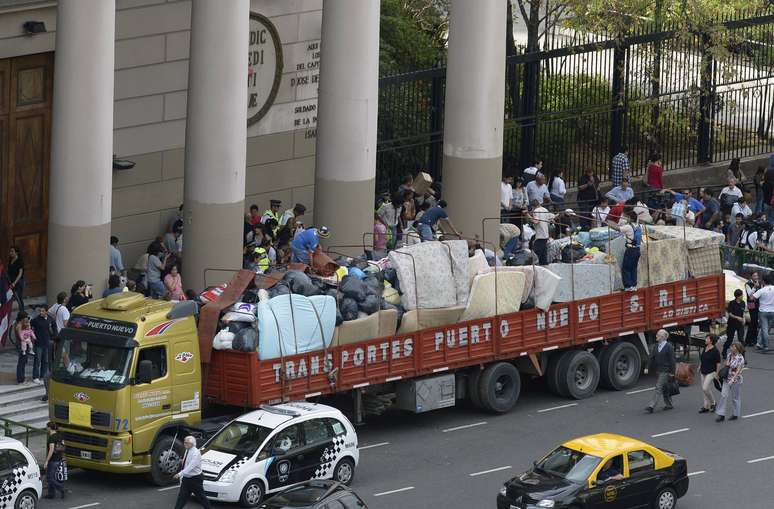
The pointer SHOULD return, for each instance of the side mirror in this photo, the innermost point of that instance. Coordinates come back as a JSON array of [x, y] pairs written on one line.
[[144, 372]]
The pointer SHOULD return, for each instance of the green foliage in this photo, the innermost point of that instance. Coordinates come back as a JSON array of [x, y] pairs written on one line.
[[412, 35]]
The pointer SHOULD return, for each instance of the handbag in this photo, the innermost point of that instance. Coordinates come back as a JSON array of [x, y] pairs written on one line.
[[671, 388], [723, 373]]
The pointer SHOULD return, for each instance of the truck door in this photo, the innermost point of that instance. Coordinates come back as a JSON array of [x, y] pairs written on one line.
[[186, 386], [151, 401]]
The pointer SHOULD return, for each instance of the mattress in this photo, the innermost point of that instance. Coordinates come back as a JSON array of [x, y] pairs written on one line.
[[493, 293], [694, 237], [545, 288], [476, 264], [661, 262], [441, 270], [426, 318], [584, 280], [704, 261], [291, 324], [355, 331], [529, 277]]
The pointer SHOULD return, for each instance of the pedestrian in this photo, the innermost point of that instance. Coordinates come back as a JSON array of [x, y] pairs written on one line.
[[272, 212], [116, 259], [80, 294], [156, 263], [380, 239], [191, 479], [291, 216], [519, 203], [60, 313], [735, 321], [529, 174], [25, 337], [557, 187], [619, 169], [43, 325], [758, 186], [538, 190], [621, 193], [16, 274], [506, 195], [709, 367], [588, 194], [173, 242], [305, 244], [741, 207], [729, 195], [765, 299], [429, 221], [711, 214], [735, 170], [662, 361], [655, 172], [541, 218], [56, 469], [390, 212], [732, 385], [174, 283], [600, 212], [632, 231], [752, 286], [114, 286]]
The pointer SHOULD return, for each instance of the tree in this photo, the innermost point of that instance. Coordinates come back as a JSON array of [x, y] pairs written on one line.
[[413, 34]]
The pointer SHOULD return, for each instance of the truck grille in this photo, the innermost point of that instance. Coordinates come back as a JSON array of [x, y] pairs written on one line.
[[101, 419], [70, 437], [76, 452]]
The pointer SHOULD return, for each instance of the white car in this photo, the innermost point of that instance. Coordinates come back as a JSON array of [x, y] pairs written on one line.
[[267, 450], [20, 485]]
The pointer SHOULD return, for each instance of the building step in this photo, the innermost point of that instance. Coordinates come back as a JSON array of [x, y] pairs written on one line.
[[30, 393], [10, 411], [11, 389]]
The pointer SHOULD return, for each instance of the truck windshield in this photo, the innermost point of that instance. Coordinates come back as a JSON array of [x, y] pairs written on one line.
[[79, 362], [569, 464], [239, 438]]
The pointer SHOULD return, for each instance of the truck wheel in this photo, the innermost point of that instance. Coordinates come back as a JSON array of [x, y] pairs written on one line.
[[499, 387], [165, 460], [620, 366], [580, 372], [474, 391], [252, 494], [552, 372]]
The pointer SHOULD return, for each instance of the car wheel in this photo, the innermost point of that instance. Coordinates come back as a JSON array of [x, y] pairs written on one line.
[[27, 499], [165, 460], [580, 370], [252, 494], [666, 498], [474, 381], [344, 471], [500, 386], [620, 366]]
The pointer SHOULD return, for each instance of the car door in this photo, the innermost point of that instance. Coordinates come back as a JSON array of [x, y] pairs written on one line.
[[319, 453], [607, 494], [14, 469], [643, 479], [286, 469]]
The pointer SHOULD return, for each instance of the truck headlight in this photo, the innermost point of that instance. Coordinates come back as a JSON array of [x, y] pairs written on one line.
[[228, 476], [118, 449], [545, 503], [503, 490]]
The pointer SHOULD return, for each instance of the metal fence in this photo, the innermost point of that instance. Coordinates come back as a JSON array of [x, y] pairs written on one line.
[[576, 106]]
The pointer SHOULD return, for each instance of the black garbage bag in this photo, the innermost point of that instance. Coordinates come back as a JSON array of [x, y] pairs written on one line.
[[529, 304], [339, 318], [246, 340], [278, 289], [238, 326], [322, 286], [375, 287], [360, 263], [370, 304], [391, 275], [522, 258], [300, 283], [250, 296], [378, 275], [333, 292], [572, 253], [354, 288], [348, 309]]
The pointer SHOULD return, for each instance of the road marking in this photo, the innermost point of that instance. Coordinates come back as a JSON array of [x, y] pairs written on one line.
[[498, 469], [669, 432], [758, 460], [380, 444], [407, 488], [556, 407], [464, 426], [767, 412], [646, 389], [88, 505], [698, 472], [176, 486]]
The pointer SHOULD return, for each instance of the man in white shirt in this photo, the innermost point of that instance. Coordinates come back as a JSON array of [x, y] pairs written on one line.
[[529, 174], [622, 193], [506, 195], [741, 207], [600, 212], [59, 312], [765, 298], [541, 218], [538, 190], [191, 479], [116, 260]]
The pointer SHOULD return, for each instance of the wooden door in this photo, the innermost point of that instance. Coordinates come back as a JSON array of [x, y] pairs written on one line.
[[25, 144]]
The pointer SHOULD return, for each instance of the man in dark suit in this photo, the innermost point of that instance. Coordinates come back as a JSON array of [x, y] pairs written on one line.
[[662, 361]]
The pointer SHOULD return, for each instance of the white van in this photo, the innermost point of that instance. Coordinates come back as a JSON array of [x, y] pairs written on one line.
[[267, 450], [20, 484]]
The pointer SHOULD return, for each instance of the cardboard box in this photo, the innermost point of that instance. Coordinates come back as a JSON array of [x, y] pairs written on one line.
[[422, 183]]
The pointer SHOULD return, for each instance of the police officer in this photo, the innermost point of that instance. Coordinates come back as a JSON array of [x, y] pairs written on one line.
[[272, 212]]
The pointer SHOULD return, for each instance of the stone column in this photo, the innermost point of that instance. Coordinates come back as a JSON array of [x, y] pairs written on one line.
[[473, 115], [215, 141], [81, 146], [346, 126]]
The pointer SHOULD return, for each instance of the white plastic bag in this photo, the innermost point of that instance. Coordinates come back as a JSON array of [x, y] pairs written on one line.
[[223, 340]]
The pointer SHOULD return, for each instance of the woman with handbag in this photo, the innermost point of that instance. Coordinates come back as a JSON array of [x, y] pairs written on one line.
[[732, 384], [710, 365]]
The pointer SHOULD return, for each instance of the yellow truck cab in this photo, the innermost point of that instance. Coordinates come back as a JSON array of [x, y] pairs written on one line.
[[125, 386]]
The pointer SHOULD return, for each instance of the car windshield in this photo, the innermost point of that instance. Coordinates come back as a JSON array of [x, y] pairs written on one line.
[[300, 496], [239, 438], [569, 464], [78, 362]]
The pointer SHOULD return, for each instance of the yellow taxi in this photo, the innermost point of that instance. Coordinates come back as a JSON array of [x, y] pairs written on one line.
[[599, 471]]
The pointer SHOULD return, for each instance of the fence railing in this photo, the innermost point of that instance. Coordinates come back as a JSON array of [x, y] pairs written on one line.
[[735, 258], [19, 430]]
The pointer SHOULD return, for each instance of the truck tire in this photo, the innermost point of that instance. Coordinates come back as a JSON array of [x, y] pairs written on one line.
[[620, 366], [252, 494], [165, 460], [474, 391], [499, 387], [555, 373], [580, 372]]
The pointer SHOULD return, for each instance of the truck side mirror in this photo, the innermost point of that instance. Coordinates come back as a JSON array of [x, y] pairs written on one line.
[[144, 372]]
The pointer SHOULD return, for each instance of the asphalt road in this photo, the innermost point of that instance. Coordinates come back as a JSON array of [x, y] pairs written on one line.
[[459, 458]]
